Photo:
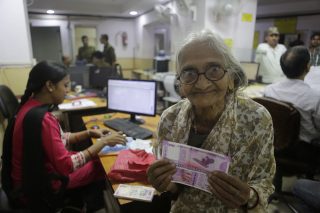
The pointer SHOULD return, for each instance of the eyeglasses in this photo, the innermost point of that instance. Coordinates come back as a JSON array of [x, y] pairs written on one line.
[[191, 76]]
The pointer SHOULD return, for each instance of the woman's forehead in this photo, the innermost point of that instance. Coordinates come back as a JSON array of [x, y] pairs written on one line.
[[199, 51]]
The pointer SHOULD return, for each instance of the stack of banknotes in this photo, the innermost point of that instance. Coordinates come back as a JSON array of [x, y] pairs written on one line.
[[193, 164]]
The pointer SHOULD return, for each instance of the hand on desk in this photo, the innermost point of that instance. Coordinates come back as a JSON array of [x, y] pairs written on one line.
[[98, 133], [113, 139]]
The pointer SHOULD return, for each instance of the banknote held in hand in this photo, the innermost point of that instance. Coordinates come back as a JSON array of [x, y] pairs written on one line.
[[193, 164]]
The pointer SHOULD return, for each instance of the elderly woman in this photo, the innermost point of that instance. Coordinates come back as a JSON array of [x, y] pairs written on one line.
[[214, 116]]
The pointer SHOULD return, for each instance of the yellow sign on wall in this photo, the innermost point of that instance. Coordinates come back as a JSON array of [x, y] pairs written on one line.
[[246, 17], [228, 42], [286, 25]]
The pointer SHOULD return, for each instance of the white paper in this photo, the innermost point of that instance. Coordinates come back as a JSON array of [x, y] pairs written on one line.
[[77, 104]]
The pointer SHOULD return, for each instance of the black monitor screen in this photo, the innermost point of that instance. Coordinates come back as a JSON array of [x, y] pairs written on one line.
[[132, 96]]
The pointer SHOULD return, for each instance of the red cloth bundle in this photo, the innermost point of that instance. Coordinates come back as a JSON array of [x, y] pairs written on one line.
[[131, 166]]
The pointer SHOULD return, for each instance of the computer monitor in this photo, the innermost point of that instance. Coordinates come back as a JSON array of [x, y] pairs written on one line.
[[133, 97], [98, 76], [251, 69], [79, 75]]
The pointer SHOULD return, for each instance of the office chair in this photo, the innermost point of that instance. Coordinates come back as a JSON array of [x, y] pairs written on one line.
[[286, 124], [8, 104], [171, 96]]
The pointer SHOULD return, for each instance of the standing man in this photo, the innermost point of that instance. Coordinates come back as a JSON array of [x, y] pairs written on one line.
[[108, 50], [314, 49], [268, 55], [85, 52]]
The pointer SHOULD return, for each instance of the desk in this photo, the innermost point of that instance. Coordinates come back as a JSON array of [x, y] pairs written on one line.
[[141, 74], [254, 90], [72, 117], [151, 123]]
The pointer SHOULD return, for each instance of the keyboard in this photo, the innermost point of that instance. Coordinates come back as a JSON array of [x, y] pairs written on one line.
[[128, 128]]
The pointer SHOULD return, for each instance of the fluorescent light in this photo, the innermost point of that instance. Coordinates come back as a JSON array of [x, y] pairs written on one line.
[[133, 13], [50, 11]]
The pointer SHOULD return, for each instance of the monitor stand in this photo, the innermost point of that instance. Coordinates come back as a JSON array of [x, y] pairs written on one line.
[[135, 120]]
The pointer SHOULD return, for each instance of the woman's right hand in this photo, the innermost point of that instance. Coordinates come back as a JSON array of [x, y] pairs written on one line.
[[113, 139], [160, 174]]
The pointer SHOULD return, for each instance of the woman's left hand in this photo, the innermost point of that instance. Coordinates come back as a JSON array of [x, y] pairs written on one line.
[[230, 190], [97, 133]]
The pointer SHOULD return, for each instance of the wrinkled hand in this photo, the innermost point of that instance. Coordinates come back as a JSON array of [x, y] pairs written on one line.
[[114, 139], [160, 174], [230, 190], [98, 133]]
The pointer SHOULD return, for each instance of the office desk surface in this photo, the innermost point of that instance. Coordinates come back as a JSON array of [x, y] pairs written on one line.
[[255, 90], [107, 161]]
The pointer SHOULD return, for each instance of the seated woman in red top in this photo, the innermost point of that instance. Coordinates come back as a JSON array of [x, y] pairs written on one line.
[[38, 169]]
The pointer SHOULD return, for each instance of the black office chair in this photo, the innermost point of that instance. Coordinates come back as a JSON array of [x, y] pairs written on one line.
[[286, 123], [8, 103]]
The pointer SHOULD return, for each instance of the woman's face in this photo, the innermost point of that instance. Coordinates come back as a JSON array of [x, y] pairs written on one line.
[[60, 90], [203, 93]]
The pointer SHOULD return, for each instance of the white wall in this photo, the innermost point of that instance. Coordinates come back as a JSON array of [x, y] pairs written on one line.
[[15, 41]]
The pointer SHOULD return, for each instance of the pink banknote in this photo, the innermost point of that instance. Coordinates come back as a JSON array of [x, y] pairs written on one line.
[[193, 164]]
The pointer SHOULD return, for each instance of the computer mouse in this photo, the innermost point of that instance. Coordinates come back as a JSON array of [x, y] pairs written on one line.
[[95, 127]]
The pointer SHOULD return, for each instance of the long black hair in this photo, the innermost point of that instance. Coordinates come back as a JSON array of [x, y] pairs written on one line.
[[41, 73]]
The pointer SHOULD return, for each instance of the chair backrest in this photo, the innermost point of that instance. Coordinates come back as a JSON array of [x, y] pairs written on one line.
[[8, 102], [286, 122], [169, 82]]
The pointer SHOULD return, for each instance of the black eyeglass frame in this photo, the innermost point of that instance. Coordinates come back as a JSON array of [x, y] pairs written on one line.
[[202, 73]]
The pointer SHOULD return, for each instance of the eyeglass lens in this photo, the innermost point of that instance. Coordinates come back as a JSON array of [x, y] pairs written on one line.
[[213, 73]]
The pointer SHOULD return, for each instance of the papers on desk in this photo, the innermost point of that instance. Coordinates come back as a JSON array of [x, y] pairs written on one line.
[[132, 144], [133, 192], [77, 104], [254, 90]]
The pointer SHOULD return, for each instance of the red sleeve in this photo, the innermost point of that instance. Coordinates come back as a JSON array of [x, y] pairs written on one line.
[[56, 153]]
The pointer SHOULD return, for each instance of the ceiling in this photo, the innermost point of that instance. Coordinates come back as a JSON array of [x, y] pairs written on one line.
[[108, 8]]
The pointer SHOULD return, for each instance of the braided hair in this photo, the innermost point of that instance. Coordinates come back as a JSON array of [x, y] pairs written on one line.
[[41, 73]]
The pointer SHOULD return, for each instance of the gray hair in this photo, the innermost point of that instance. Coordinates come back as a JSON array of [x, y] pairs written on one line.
[[216, 43]]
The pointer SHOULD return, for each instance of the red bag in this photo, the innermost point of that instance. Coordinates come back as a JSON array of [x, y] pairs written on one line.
[[131, 166]]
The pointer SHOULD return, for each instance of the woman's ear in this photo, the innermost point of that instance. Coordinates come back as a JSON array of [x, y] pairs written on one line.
[[49, 86], [231, 83]]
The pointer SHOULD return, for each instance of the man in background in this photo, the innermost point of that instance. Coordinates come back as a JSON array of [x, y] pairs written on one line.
[[66, 60], [85, 52], [98, 60], [314, 49], [268, 55], [108, 50], [293, 89]]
